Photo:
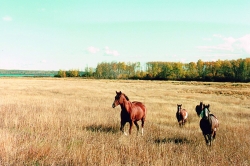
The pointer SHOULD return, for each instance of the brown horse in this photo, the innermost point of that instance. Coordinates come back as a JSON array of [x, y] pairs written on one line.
[[130, 111], [208, 124], [198, 108], [181, 115]]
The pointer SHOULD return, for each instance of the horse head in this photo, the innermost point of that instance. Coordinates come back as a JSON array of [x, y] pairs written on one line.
[[119, 99], [199, 108], [206, 111], [179, 108]]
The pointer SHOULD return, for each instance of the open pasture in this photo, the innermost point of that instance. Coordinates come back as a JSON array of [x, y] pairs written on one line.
[[49, 121]]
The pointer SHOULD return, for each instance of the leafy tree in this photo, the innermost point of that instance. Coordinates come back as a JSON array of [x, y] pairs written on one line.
[[177, 71], [234, 70], [227, 70], [61, 73], [72, 73], [201, 69], [88, 72], [192, 72]]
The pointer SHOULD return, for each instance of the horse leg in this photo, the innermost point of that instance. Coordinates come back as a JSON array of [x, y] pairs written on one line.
[[210, 137], [213, 135], [122, 127], [185, 121], [181, 123], [142, 125], [206, 139], [215, 129], [137, 126], [130, 126]]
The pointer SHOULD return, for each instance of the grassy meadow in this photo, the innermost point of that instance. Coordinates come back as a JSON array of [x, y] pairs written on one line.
[[50, 121]]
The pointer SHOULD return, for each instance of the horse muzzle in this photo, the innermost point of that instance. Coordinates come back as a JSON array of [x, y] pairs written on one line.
[[113, 105]]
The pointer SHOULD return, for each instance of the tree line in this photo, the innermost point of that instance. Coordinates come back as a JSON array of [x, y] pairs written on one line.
[[220, 70]]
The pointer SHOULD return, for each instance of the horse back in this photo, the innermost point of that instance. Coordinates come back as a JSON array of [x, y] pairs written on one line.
[[138, 110]]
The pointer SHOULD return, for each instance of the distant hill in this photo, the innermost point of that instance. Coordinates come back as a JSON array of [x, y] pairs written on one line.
[[27, 73]]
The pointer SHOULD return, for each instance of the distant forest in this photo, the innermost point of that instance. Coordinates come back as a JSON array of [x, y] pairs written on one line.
[[219, 71], [28, 73]]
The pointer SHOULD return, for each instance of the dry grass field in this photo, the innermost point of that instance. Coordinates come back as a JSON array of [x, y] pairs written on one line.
[[49, 121]]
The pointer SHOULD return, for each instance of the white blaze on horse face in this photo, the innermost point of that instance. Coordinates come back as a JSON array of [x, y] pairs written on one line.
[[206, 112], [179, 109]]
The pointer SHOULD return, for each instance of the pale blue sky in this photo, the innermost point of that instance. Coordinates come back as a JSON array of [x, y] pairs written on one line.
[[53, 35]]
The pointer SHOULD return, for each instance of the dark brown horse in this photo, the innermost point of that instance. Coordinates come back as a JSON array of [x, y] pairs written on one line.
[[181, 115], [208, 124], [130, 111], [198, 108]]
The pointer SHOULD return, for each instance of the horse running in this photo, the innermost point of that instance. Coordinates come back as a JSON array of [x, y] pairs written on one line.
[[181, 115], [198, 108], [130, 112], [208, 124]]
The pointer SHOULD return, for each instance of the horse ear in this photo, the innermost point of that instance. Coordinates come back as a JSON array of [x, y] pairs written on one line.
[[208, 105]]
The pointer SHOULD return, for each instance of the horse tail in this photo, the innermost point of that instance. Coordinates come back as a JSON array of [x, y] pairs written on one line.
[[144, 110]]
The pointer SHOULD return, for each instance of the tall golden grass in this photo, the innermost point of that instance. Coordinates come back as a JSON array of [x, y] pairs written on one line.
[[49, 121]]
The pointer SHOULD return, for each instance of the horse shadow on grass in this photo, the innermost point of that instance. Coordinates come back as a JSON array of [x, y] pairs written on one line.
[[172, 140], [102, 128]]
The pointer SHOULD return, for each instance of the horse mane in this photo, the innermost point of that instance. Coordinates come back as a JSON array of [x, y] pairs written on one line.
[[126, 96], [120, 93]]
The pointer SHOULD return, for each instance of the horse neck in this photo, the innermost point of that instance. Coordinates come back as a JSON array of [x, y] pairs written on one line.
[[125, 105]]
